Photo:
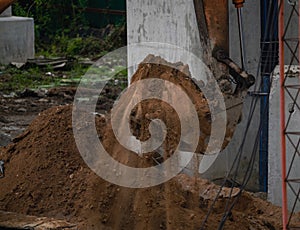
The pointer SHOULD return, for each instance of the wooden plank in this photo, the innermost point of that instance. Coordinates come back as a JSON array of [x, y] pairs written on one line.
[[20, 221]]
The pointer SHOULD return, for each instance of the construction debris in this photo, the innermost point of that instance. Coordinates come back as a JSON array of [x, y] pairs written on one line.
[[18, 221]]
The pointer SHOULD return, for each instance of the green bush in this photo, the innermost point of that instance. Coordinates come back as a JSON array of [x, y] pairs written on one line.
[[61, 29], [53, 17]]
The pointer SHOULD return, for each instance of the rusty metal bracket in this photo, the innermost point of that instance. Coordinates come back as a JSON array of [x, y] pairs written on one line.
[[243, 80]]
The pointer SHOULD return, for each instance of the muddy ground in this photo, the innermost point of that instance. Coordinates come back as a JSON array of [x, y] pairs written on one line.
[[17, 110]]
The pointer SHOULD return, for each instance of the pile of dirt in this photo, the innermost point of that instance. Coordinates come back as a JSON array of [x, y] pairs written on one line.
[[46, 176]]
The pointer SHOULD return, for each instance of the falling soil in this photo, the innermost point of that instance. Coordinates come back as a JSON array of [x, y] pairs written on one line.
[[147, 110], [45, 175], [154, 67]]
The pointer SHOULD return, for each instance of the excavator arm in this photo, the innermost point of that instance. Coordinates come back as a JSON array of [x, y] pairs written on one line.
[[234, 82]]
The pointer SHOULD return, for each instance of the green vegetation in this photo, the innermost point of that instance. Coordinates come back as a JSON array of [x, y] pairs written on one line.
[[85, 46], [53, 17], [13, 79], [62, 30]]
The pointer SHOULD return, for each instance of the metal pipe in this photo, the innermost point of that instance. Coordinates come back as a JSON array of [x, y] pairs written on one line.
[[241, 36], [282, 116], [269, 60]]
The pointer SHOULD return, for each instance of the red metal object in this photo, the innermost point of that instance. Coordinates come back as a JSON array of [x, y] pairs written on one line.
[[282, 115], [217, 22], [238, 3]]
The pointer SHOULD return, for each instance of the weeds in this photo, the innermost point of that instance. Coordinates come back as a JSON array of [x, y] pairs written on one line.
[[62, 32], [13, 79]]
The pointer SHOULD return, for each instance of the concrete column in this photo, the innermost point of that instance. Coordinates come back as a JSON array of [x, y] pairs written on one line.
[[6, 13], [274, 193], [16, 38], [168, 21]]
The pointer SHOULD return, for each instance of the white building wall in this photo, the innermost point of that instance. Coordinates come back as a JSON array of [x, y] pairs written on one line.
[[168, 22]]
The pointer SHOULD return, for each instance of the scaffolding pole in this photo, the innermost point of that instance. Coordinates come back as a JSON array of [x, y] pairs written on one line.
[[282, 114], [290, 133]]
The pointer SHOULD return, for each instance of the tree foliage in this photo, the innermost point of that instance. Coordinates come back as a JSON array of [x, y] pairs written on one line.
[[53, 17]]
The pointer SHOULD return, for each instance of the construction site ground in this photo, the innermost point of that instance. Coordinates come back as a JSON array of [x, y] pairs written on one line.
[[46, 177]]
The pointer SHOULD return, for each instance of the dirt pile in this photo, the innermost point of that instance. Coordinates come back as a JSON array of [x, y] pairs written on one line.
[[46, 176]]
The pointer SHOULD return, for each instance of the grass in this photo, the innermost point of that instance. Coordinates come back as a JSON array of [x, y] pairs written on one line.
[[13, 79]]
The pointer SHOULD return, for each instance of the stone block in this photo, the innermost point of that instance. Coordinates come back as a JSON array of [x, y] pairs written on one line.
[[16, 39]]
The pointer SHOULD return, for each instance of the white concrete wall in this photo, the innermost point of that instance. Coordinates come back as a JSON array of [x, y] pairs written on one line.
[[6, 13], [158, 21], [16, 39], [168, 22], [274, 194]]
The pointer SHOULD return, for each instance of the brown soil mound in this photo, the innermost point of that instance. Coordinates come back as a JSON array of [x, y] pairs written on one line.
[[46, 176]]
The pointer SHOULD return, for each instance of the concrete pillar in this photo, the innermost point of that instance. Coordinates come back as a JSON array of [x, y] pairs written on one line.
[[274, 193], [6, 13], [168, 21], [16, 38]]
